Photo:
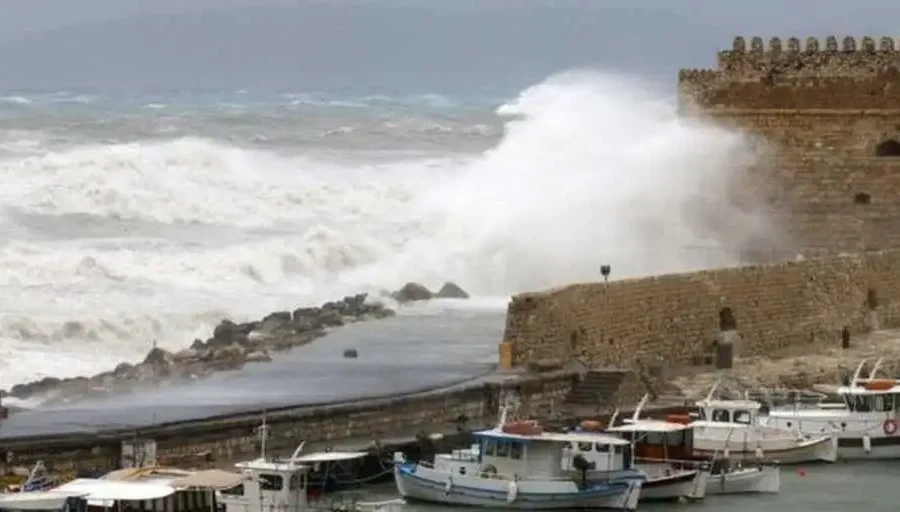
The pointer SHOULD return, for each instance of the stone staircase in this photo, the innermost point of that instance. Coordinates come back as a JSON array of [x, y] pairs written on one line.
[[597, 393]]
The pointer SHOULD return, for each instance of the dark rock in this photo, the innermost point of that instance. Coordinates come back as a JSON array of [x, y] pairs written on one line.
[[258, 356], [158, 357], [224, 333], [412, 292], [451, 291], [124, 370], [302, 314], [274, 321], [331, 318], [351, 353]]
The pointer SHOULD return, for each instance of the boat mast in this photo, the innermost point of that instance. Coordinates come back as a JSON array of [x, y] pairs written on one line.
[[263, 434]]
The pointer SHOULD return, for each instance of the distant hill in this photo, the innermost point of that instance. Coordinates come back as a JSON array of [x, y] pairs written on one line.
[[325, 46]]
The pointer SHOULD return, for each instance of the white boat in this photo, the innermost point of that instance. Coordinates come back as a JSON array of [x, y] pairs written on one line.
[[261, 485], [733, 428], [745, 480], [667, 447], [662, 450], [42, 501], [519, 466], [865, 423]]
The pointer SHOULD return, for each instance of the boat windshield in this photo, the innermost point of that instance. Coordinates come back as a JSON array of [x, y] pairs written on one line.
[[873, 403]]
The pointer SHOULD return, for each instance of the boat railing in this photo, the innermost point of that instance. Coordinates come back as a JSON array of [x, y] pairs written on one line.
[[492, 475], [779, 397], [686, 463], [347, 502]]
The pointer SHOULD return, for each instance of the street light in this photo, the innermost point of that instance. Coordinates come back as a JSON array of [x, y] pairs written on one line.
[[604, 271]]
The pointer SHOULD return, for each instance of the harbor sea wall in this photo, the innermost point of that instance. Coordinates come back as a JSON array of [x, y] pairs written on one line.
[[659, 321], [217, 442]]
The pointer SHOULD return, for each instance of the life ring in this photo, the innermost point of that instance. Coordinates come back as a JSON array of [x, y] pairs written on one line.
[[890, 427]]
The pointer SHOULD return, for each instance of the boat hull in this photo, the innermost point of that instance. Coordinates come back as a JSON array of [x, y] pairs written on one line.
[[422, 483], [748, 480], [859, 435], [852, 448], [686, 484], [822, 449]]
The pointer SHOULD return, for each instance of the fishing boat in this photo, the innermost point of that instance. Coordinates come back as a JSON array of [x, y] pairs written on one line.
[[664, 448], [517, 465], [733, 428], [737, 478], [865, 421]]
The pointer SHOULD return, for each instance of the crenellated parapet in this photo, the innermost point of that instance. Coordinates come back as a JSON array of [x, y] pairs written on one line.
[[833, 56], [799, 73]]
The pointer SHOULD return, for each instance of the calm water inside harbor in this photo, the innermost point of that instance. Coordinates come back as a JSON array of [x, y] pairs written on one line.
[[841, 487]]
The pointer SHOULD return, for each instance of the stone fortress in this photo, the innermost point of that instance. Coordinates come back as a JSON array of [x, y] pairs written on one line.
[[829, 115]]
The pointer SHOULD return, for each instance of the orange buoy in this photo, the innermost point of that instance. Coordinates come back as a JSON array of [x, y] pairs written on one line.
[[880, 384], [683, 419], [890, 427], [523, 428]]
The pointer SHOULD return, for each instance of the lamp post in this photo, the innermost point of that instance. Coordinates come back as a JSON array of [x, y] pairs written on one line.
[[604, 271]]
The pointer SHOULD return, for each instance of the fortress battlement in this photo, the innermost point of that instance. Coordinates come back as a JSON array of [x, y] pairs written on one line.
[[834, 73], [812, 57]]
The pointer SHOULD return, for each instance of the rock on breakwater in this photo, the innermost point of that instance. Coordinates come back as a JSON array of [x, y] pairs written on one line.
[[231, 346]]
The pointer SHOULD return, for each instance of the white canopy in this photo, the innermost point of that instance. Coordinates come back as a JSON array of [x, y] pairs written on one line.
[[310, 458], [109, 490], [38, 500], [656, 426]]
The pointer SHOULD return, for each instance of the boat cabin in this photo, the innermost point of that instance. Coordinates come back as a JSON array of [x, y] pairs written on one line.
[[728, 412], [149, 491], [268, 486], [656, 440], [871, 395], [548, 454]]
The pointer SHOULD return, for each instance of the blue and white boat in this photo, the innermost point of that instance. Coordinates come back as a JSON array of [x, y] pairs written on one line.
[[519, 466]]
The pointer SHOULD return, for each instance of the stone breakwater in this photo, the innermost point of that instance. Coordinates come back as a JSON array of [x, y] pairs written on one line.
[[231, 346]]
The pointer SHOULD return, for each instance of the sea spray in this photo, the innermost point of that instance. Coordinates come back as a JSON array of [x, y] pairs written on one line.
[[110, 246]]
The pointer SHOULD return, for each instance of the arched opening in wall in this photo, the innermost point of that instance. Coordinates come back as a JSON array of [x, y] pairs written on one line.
[[862, 198], [872, 299], [889, 147], [727, 322]]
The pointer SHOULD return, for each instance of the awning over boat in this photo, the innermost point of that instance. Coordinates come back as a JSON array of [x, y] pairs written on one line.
[[37, 500], [311, 458], [209, 479], [655, 426], [556, 437], [106, 490]]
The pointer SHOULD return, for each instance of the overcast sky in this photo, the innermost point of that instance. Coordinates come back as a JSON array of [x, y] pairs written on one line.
[[389, 44]]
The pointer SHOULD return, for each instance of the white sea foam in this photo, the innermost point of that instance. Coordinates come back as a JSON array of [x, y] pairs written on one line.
[[591, 169]]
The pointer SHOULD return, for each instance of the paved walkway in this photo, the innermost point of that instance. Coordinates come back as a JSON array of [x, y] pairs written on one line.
[[396, 355]]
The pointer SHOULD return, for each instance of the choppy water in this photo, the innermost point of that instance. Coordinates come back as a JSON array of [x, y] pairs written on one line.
[[127, 220]]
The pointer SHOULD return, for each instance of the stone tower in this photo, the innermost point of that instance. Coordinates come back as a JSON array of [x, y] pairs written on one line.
[[830, 113]]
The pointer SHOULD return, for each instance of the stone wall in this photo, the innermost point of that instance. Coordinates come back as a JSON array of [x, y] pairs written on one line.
[[823, 177], [828, 114], [674, 319], [852, 74], [221, 441]]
